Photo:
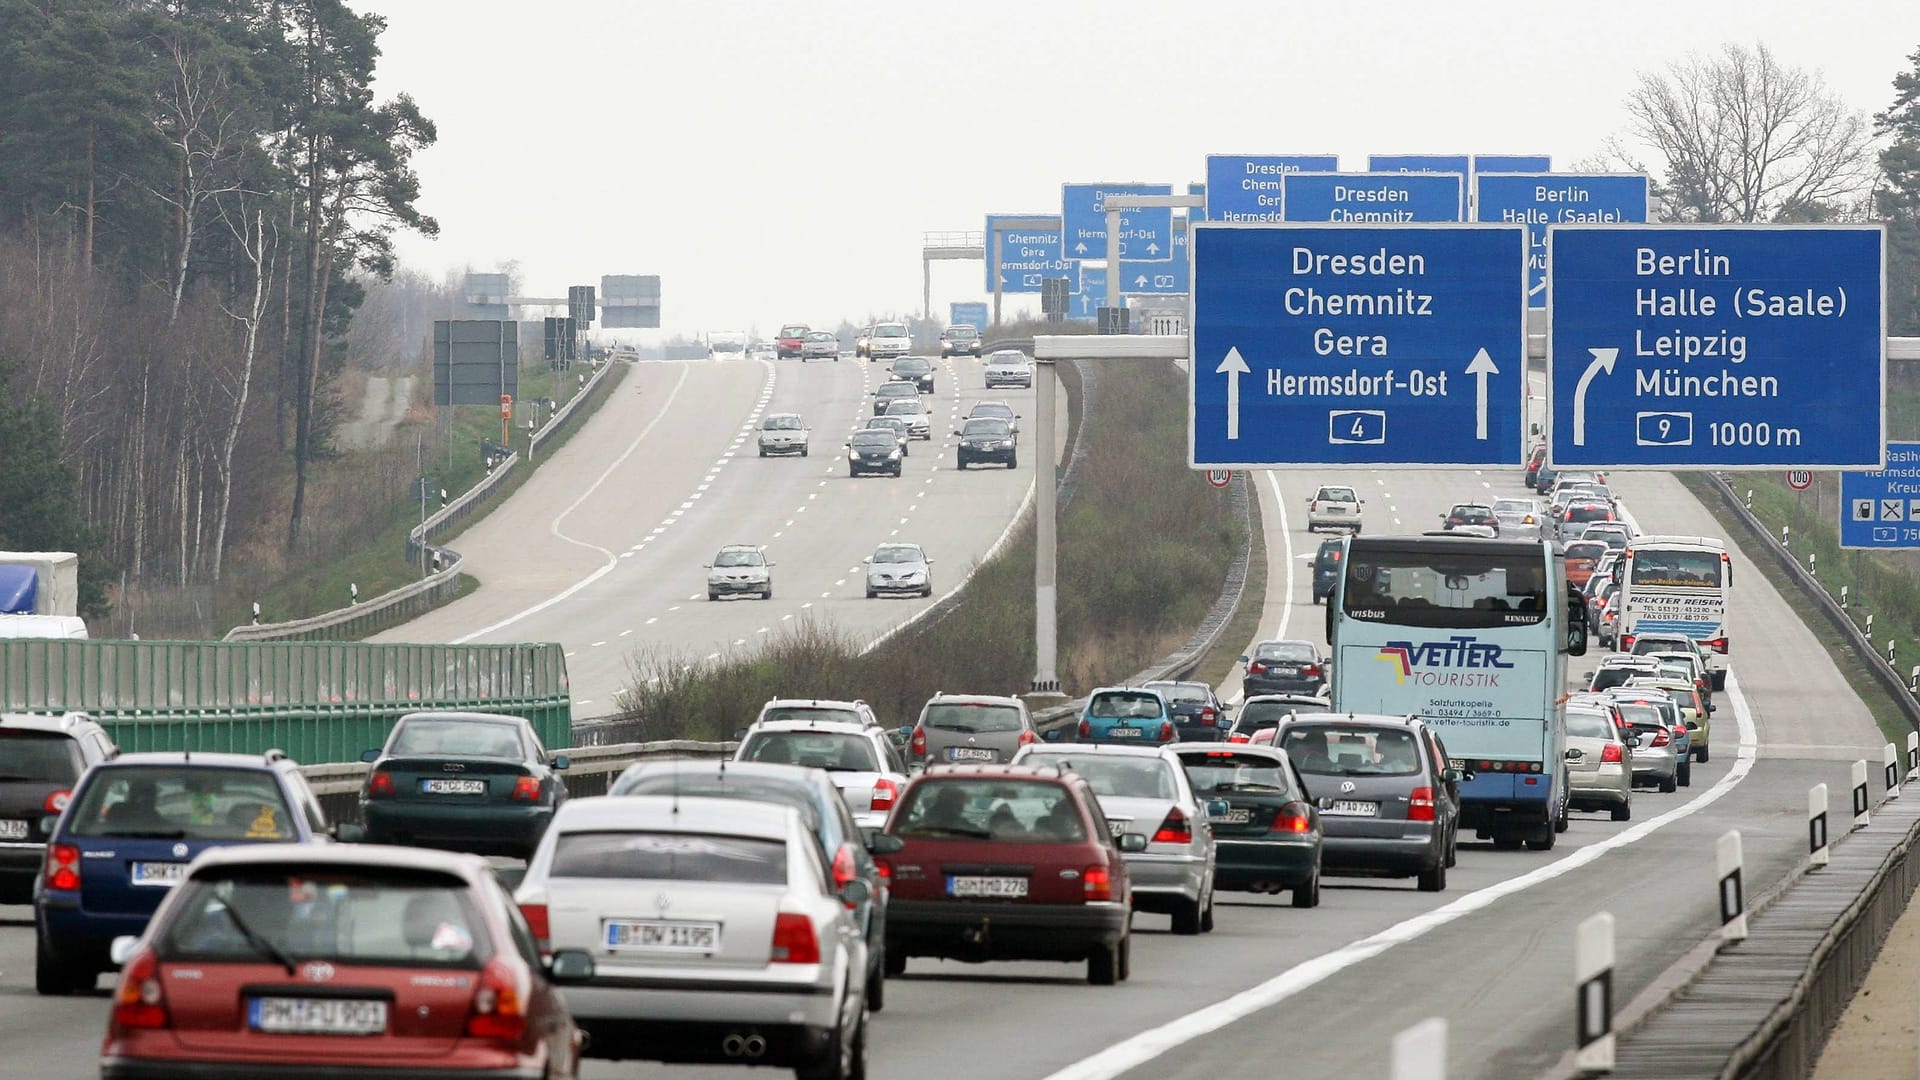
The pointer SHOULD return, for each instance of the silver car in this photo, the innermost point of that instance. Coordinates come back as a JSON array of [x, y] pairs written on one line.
[[740, 569], [783, 433], [914, 412], [1520, 518], [1599, 764], [899, 570], [1144, 789], [862, 763], [969, 729], [1009, 367], [714, 931], [1654, 760], [820, 345]]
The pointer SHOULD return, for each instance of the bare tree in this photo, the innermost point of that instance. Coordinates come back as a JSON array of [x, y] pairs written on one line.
[[1745, 138], [256, 247], [200, 118]]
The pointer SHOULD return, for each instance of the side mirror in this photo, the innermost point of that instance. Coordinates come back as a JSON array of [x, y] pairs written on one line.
[[349, 832], [739, 733], [369, 756], [880, 843], [561, 762], [1243, 659], [1575, 754], [1217, 808], [48, 823], [570, 966], [1693, 725], [1453, 776], [1711, 709], [1133, 843], [1225, 707], [856, 892], [868, 559], [121, 950], [1052, 735]]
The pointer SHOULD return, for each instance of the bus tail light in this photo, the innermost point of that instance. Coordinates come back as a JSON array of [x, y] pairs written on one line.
[[1718, 645]]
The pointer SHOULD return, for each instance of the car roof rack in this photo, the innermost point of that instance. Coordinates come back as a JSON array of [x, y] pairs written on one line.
[[274, 754]]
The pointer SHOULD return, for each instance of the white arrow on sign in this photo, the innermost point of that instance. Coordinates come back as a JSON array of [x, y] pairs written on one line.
[[1482, 366], [1603, 360], [1080, 248], [1233, 367], [1153, 249], [1140, 282]]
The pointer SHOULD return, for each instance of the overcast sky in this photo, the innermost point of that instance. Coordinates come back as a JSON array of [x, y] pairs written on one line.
[[780, 160]]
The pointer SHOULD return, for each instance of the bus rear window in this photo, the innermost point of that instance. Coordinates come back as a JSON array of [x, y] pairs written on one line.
[[1439, 587], [1678, 569]]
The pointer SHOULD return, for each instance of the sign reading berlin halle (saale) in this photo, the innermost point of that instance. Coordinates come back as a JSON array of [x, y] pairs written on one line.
[[1717, 346]]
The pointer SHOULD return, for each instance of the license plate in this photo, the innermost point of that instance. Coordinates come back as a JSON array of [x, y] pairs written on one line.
[[454, 787], [997, 887], [969, 753], [1118, 826], [1352, 808], [13, 830], [1286, 669], [162, 874], [317, 1016], [1123, 733], [1236, 816], [659, 935]]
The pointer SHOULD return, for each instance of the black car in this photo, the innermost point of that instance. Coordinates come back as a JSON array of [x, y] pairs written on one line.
[[1544, 479], [1264, 712], [917, 370], [888, 392], [477, 782], [1269, 838], [1326, 569], [874, 450], [1471, 514], [1389, 802], [41, 759], [1283, 667], [1198, 716], [988, 440]]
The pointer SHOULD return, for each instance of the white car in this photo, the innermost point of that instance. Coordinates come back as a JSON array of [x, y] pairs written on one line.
[[914, 412], [1334, 506], [783, 433], [899, 569], [859, 759], [890, 340], [712, 931], [814, 711], [738, 569], [1520, 518], [1009, 367]]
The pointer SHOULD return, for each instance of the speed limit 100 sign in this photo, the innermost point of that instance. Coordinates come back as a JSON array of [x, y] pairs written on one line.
[[1219, 477], [1799, 479]]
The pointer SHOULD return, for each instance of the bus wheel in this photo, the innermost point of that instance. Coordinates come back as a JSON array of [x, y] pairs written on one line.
[[1543, 839]]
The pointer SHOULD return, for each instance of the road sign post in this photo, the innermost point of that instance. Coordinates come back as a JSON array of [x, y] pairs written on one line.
[[1332, 345], [1716, 346], [1881, 509]]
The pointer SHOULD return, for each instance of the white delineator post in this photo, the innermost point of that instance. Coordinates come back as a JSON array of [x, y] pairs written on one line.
[[1890, 758], [1913, 755], [1733, 896], [1420, 1052], [1593, 996], [1861, 818], [1817, 825]]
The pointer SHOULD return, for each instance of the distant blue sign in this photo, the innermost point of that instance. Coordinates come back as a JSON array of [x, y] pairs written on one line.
[[1174, 278], [1504, 163], [1881, 509], [1246, 187], [1027, 256], [1538, 200], [1717, 346], [1197, 213], [1371, 198], [1086, 303], [970, 314], [1426, 163], [1144, 234], [1330, 345]]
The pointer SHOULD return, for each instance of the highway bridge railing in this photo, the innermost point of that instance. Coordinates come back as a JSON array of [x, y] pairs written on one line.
[[318, 701]]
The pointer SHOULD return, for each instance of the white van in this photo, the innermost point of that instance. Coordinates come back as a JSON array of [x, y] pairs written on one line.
[[43, 626]]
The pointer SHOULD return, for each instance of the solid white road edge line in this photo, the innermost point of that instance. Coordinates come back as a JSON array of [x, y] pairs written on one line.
[[1148, 1045]]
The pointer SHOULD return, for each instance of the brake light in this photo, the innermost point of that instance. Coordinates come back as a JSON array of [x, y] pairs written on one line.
[[794, 941], [918, 746], [380, 783], [1207, 717], [1028, 738], [526, 789], [139, 1002], [884, 792], [1661, 738], [56, 802], [1086, 730], [499, 1005], [537, 924], [1292, 818], [1613, 752], [1166, 730], [63, 867], [1679, 732], [1626, 642], [1420, 805], [1311, 671], [1236, 737], [1256, 668], [1718, 645], [1099, 883], [884, 868], [1175, 829]]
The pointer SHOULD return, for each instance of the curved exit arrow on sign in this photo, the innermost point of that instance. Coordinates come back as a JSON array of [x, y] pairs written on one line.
[[1603, 360]]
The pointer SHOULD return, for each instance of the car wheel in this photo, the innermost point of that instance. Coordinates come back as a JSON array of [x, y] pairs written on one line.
[[1103, 967], [1126, 957], [1186, 917], [767, 593], [1308, 895], [1013, 461], [713, 596], [894, 965], [846, 1056], [1623, 812], [1669, 785], [961, 464], [928, 591], [1206, 916], [851, 474], [1434, 878], [1453, 848], [1719, 681], [51, 978], [1700, 753], [1560, 823], [871, 594], [803, 451], [763, 451], [1686, 773], [896, 470], [877, 988]]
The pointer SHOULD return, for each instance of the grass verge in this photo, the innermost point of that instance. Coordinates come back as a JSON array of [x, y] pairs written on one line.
[[1144, 549], [1222, 662]]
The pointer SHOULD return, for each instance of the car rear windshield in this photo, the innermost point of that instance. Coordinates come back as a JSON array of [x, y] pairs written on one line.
[[351, 915], [1124, 776], [1335, 750], [1177, 692], [1291, 651], [42, 756], [1643, 715], [835, 751], [1259, 715], [1124, 706], [1229, 770], [1586, 550], [1011, 811], [731, 786], [1589, 513], [463, 738], [1513, 506], [182, 803], [972, 719], [1589, 725], [1677, 569], [1609, 677], [1668, 709], [822, 713], [655, 856], [793, 331], [1339, 495]]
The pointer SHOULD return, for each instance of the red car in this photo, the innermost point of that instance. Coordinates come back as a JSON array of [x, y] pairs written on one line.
[[1008, 862], [305, 960], [792, 336]]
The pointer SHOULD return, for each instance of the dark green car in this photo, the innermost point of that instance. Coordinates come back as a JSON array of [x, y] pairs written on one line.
[[474, 782], [1269, 838]]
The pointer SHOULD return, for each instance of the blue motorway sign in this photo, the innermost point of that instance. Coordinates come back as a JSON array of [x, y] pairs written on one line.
[[1426, 163], [1716, 346], [1144, 234], [1337, 345], [1371, 198], [1246, 187], [1881, 509], [1027, 256], [1197, 213], [1091, 297], [1173, 278], [1501, 163], [970, 314], [1538, 200]]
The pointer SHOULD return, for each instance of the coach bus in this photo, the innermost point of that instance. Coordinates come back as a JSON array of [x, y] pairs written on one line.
[[1677, 585]]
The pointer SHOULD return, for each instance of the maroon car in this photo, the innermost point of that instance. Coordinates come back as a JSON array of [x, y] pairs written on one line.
[[316, 960], [1008, 862], [790, 340]]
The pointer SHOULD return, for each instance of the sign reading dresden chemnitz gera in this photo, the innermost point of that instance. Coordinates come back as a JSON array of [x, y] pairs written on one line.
[[1716, 346], [1246, 187]]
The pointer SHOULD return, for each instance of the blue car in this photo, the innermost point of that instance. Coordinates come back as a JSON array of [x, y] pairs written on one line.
[[1127, 714], [128, 833]]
